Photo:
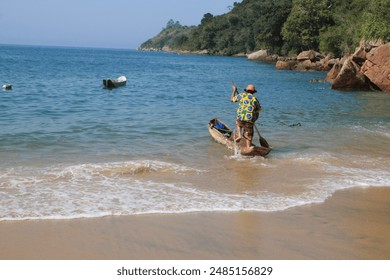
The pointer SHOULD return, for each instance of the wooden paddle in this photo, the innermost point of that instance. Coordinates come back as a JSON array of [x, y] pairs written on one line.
[[262, 141]]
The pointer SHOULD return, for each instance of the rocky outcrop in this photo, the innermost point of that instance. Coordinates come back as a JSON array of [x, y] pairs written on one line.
[[334, 71], [259, 55], [306, 61], [286, 64], [169, 50], [262, 55], [350, 77], [377, 67], [310, 55], [367, 68]]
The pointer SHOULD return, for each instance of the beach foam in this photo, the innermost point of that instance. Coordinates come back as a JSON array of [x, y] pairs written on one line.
[[151, 187]]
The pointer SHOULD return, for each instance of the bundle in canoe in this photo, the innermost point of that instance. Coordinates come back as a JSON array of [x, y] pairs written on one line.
[[224, 135]]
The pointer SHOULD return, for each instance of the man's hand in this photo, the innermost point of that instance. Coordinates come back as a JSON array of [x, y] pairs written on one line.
[[233, 92]]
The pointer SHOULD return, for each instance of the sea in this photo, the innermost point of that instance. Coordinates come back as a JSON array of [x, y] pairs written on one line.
[[69, 148]]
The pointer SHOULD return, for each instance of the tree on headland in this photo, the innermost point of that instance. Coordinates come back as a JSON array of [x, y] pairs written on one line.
[[171, 24], [281, 27], [174, 35]]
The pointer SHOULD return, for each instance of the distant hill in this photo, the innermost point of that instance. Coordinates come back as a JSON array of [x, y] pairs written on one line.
[[169, 37], [283, 27]]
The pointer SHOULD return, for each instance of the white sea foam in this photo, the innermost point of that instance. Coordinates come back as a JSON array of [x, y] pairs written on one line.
[[93, 190], [125, 188]]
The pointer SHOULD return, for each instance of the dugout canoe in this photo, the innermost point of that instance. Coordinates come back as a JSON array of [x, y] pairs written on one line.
[[222, 134]]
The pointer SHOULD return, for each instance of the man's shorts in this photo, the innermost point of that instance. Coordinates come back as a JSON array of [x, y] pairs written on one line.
[[248, 129]]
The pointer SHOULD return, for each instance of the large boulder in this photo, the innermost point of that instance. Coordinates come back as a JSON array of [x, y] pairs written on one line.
[[308, 65], [335, 70], [259, 55], [330, 62], [309, 55], [262, 55], [377, 67], [367, 68], [360, 54], [286, 64], [350, 77], [333, 73]]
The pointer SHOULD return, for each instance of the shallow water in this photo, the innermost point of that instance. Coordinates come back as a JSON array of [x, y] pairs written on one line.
[[69, 148]]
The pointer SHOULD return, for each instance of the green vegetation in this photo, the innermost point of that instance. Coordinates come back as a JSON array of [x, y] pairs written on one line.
[[282, 27], [376, 20], [171, 36]]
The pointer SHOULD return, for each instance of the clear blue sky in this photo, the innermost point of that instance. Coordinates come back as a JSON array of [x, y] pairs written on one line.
[[97, 23]]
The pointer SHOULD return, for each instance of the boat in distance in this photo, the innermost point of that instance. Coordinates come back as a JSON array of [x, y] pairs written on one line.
[[7, 87], [114, 83]]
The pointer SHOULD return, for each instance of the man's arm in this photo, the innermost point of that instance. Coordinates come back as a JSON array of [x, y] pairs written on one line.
[[233, 93]]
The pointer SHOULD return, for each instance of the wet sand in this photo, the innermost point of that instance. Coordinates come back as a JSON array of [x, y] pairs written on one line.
[[352, 224]]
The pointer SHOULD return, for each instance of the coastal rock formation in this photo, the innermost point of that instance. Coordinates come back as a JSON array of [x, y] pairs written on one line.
[[306, 61], [286, 64], [334, 71], [259, 55], [368, 67], [350, 77], [309, 55], [377, 67], [262, 55]]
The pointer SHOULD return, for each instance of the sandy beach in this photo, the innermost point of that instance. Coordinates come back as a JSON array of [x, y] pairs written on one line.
[[352, 224]]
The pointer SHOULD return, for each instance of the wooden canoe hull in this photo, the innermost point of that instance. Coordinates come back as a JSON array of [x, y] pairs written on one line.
[[222, 134]]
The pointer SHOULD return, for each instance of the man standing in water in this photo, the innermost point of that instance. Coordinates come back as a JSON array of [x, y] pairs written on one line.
[[247, 113]]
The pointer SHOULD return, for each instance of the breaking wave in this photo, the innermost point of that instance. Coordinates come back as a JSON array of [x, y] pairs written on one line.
[[146, 187]]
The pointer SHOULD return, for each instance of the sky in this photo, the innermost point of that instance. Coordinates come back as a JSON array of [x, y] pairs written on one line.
[[97, 23]]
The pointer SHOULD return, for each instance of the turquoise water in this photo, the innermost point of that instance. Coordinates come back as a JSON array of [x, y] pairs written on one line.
[[70, 148]]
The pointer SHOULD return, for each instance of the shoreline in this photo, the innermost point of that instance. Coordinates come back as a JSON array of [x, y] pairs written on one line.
[[352, 224]]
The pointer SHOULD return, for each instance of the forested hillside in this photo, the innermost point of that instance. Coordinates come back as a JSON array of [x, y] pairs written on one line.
[[283, 27]]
